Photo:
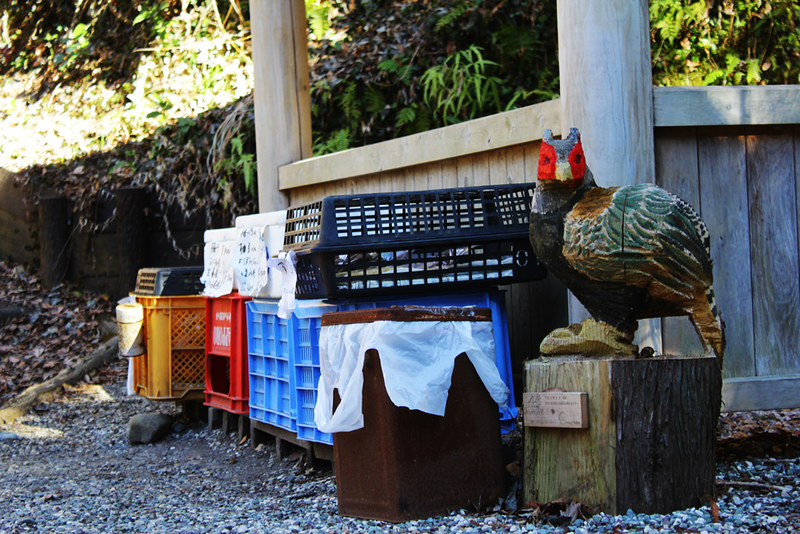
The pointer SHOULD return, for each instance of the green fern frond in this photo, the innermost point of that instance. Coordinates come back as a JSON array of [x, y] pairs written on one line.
[[389, 65], [405, 116], [753, 71], [374, 101], [452, 15], [349, 102]]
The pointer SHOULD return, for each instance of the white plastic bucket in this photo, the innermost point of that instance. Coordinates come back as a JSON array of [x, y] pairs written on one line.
[[130, 321]]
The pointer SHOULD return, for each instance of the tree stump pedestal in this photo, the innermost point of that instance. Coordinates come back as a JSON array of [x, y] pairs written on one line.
[[649, 438]]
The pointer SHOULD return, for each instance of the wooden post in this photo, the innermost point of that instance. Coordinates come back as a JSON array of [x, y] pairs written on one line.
[[651, 436], [132, 236], [607, 93], [53, 239], [282, 102]]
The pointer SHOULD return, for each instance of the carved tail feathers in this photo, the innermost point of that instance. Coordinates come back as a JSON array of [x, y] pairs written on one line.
[[708, 322]]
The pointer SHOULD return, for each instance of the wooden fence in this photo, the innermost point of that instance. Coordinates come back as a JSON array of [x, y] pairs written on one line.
[[734, 153]]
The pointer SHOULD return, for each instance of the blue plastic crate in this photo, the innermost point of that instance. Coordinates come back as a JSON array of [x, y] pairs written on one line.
[[304, 336], [493, 299], [284, 355], [269, 365]]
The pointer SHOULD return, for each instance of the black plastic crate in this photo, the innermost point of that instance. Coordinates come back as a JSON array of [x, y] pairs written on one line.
[[393, 242], [169, 281]]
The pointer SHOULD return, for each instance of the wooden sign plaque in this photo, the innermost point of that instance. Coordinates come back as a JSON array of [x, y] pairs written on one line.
[[556, 409]]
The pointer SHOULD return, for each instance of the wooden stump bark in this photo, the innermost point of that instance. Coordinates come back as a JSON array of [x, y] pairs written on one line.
[[650, 441], [53, 239], [132, 236]]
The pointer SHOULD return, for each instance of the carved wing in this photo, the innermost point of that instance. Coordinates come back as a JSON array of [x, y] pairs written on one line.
[[640, 235]]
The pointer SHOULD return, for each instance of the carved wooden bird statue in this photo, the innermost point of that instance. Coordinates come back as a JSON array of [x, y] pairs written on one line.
[[627, 253]]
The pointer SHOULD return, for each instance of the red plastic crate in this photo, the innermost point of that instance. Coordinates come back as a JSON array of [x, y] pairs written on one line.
[[226, 373]]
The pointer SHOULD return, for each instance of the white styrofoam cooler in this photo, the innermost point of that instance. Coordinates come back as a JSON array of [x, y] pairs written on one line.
[[271, 226], [219, 276]]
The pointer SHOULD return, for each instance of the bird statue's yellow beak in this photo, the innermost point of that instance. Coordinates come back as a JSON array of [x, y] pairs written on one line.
[[563, 172]]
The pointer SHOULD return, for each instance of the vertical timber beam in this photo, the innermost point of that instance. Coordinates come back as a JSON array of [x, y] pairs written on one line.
[[282, 101], [607, 93]]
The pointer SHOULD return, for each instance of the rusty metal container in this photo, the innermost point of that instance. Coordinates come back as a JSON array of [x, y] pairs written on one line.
[[406, 464]]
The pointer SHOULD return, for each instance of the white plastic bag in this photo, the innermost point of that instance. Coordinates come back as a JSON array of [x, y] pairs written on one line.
[[283, 266], [417, 359]]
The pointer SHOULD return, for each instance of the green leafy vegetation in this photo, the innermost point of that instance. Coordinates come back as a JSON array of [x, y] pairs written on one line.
[[388, 69], [158, 93], [154, 93], [722, 42]]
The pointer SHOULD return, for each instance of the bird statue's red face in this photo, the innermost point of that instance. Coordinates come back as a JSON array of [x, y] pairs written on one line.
[[562, 160]]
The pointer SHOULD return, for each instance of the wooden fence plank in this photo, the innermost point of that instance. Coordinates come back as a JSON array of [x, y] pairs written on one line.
[[480, 169], [676, 171], [515, 166], [486, 133], [436, 175], [449, 174], [734, 105], [531, 161], [760, 393], [797, 181], [419, 177], [498, 172], [519, 322], [774, 253], [723, 193], [16, 222], [400, 181]]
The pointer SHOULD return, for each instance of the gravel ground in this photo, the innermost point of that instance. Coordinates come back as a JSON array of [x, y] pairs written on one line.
[[70, 468]]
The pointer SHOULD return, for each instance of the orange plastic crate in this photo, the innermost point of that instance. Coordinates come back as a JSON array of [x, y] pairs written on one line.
[[173, 367]]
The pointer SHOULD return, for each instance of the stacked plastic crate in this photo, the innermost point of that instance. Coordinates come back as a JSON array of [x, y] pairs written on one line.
[[226, 371], [436, 248], [172, 367]]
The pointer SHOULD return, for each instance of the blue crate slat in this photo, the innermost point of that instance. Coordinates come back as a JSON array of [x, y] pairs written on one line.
[[269, 365], [304, 336], [283, 384]]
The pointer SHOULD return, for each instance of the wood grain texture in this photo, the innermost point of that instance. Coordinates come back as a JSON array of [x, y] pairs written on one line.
[[718, 106], [607, 93], [515, 166], [677, 172], [436, 175], [666, 411], [761, 393], [480, 169], [723, 193], [400, 180], [282, 102], [449, 174], [606, 86], [420, 177], [774, 254], [531, 164], [479, 135], [650, 445], [497, 173], [465, 168], [572, 464], [796, 136]]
